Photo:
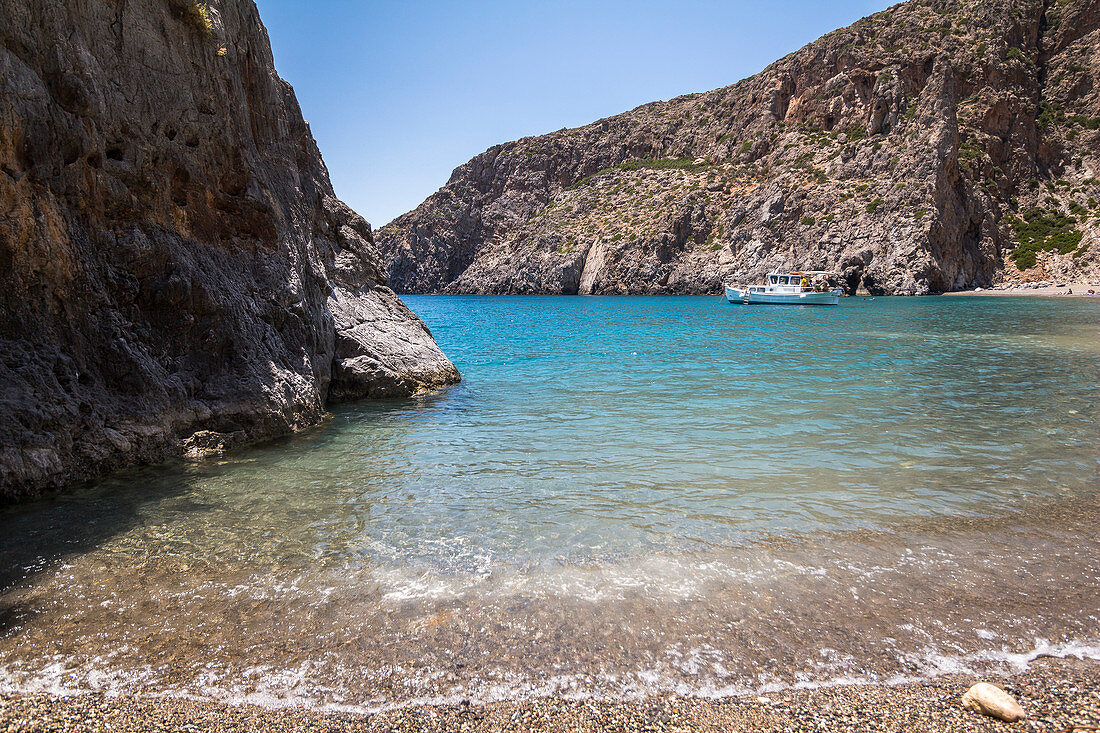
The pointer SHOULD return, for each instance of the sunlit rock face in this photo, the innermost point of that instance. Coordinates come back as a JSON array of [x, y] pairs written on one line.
[[912, 151], [172, 256]]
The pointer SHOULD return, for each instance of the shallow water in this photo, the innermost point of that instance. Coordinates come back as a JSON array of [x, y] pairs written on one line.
[[624, 495]]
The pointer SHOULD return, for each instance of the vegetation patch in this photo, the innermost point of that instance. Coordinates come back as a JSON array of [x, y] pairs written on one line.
[[971, 150], [1015, 54], [1042, 231], [684, 164], [197, 15], [1050, 114], [1091, 123], [856, 132]]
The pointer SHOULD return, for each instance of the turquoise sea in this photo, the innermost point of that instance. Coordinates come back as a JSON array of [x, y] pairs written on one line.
[[624, 495]]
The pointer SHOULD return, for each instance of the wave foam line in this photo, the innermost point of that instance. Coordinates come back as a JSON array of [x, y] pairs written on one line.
[[63, 679]]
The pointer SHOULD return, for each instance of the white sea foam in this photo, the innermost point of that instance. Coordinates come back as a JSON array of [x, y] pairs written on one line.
[[694, 672]]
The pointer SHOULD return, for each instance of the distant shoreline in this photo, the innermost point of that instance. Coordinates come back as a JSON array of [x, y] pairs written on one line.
[[1056, 694], [1079, 290]]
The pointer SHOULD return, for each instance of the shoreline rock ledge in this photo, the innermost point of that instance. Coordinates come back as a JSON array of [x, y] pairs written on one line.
[[173, 259]]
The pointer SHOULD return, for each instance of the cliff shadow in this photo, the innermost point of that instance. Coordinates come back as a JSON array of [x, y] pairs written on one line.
[[39, 537]]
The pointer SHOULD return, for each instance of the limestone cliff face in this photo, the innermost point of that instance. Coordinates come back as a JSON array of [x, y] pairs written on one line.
[[172, 258], [934, 146]]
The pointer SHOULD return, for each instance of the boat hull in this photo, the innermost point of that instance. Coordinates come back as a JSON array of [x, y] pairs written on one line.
[[746, 297]]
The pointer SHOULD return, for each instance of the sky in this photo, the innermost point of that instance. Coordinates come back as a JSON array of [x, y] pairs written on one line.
[[398, 94]]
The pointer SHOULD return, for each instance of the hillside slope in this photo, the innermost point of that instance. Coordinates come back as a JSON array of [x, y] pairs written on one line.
[[176, 274], [937, 145]]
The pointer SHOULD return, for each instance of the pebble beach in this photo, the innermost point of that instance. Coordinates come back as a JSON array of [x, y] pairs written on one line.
[[1058, 695], [1045, 287]]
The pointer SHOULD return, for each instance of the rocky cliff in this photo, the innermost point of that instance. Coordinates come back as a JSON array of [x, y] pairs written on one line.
[[937, 145], [176, 274]]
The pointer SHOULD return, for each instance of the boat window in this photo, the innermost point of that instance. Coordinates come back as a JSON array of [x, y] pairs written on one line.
[[784, 280], [773, 278]]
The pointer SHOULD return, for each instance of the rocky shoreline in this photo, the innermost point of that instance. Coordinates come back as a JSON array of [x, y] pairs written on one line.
[[177, 276], [1073, 289], [1058, 695]]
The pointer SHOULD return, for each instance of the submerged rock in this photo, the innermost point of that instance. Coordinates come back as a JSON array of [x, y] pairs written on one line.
[[172, 256], [204, 443], [993, 701]]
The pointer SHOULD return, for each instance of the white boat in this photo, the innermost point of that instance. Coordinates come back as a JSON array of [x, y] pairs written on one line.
[[812, 287]]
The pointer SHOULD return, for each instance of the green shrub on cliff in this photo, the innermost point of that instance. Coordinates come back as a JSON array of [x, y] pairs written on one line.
[[1015, 54], [1051, 114], [197, 15], [971, 150], [1040, 231], [856, 132], [1091, 123]]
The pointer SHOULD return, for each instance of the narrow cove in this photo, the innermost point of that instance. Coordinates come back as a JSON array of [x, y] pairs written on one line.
[[624, 496]]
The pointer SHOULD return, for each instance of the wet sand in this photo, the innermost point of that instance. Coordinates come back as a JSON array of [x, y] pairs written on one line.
[[1059, 695]]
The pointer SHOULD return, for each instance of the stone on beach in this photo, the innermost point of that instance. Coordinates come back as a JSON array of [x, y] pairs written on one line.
[[993, 701]]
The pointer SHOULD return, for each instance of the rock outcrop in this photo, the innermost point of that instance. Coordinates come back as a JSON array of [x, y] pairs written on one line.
[[173, 261], [935, 146]]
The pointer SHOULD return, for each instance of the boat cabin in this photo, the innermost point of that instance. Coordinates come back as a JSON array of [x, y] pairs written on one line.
[[792, 279], [800, 281]]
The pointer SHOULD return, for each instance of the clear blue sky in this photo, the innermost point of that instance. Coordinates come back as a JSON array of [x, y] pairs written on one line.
[[400, 93]]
